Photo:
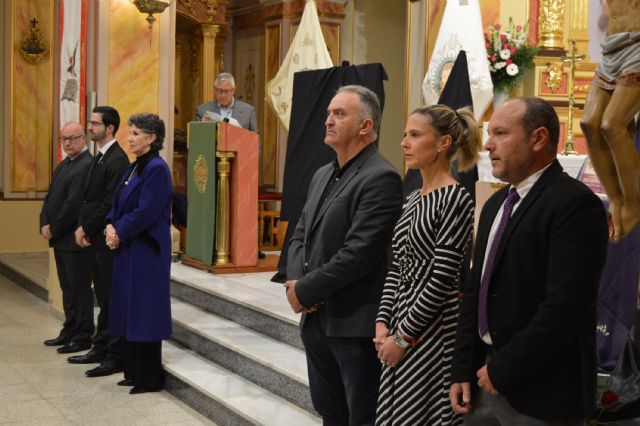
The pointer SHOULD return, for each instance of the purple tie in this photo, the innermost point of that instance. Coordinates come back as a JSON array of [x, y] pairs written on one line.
[[483, 323]]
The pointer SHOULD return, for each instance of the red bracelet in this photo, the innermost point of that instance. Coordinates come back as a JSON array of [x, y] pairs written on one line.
[[410, 341]]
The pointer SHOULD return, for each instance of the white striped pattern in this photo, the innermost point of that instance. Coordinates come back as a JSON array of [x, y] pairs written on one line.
[[421, 298]]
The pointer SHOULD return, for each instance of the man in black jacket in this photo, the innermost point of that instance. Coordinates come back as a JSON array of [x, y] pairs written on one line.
[[527, 325], [104, 175], [338, 259], [57, 224]]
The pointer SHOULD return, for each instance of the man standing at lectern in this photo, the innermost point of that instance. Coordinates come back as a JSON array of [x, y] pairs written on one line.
[[227, 106], [338, 260]]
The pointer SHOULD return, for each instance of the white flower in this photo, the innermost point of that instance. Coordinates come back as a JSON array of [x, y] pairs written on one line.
[[492, 69], [505, 54], [512, 69], [500, 65]]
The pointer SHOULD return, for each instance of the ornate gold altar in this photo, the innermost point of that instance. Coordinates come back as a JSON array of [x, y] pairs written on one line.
[[562, 24]]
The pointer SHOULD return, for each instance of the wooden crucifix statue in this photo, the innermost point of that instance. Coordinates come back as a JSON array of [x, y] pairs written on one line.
[[612, 103]]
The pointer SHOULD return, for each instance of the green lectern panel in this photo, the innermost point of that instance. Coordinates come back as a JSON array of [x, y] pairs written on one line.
[[201, 191]]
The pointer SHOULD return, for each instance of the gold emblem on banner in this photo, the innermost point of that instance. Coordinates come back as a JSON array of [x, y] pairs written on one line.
[[201, 173], [33, 47]]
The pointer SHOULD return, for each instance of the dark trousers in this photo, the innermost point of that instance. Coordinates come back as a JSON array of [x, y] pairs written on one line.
[[495, 410], [344, 376], [143, 364], [77, 297], [101, 267]]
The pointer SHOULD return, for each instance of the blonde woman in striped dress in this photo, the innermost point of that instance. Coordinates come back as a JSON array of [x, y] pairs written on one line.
[[415, 328]]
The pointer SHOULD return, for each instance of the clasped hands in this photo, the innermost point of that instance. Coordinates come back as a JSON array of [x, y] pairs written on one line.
[[460, 393], [292, 298], [113, 241], [82, 239], [389, 352]]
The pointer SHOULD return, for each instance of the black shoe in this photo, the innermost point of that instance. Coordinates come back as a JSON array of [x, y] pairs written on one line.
[[125, 382], [138, 389], [104, 369], [90, 357], [72, 347], [58, 341]]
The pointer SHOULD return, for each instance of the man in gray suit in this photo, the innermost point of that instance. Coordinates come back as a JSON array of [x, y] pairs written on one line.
[[338, 259], [227, 106]]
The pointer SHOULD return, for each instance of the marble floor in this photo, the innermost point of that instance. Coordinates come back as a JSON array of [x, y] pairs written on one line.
[[39, 387]]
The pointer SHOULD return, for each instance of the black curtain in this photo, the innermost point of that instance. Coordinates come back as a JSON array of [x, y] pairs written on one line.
[[306, 150]]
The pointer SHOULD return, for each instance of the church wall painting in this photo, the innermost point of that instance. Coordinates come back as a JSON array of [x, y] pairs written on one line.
[[31, 106], [133, 64]]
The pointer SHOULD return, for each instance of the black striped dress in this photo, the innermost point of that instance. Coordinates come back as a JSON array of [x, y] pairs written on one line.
[[421, 298]]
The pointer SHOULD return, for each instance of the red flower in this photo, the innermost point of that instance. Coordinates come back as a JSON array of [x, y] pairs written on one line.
[[509, 61], [486, 35], [518, 27], [487, 45], [503, 36], [609, 398], [497, 26], [493, 57], [513, 50]]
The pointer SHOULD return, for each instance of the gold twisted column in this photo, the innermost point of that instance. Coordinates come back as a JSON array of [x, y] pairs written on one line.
[[209, 71], [551, 24], [223, 207]]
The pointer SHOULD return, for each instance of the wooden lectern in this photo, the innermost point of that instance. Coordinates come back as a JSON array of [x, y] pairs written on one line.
[[222, 193]]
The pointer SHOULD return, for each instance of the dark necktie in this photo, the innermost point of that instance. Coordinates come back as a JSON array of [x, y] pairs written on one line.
[[483, 323], [96, 161]]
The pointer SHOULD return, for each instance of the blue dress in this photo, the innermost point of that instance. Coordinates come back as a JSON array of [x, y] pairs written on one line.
[[140, 307]]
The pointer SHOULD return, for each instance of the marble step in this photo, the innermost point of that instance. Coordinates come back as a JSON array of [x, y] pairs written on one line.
[[28, 270], [224, 397], [271, 364], [250, 300]]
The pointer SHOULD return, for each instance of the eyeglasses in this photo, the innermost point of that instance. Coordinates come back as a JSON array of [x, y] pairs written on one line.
[[96, 123], [224, 91], [71, 139]]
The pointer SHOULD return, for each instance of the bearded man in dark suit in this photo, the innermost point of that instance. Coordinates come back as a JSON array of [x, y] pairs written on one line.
[[527, 325], [106, 170]]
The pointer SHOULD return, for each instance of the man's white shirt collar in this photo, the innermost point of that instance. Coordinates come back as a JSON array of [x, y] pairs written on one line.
[[106, 147], [525, 186]]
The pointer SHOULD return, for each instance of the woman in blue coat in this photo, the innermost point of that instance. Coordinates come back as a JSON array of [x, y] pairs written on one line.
[[138, 231]]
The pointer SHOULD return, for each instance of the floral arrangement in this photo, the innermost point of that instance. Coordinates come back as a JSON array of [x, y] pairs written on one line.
[[510, 57]]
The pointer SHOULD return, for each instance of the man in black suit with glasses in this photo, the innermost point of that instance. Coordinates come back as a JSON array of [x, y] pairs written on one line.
[[108, 166]]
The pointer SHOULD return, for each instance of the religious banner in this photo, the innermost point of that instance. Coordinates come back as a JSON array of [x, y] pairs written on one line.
[[201, 191], [308, 51], [73, 64], [461, 29]]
